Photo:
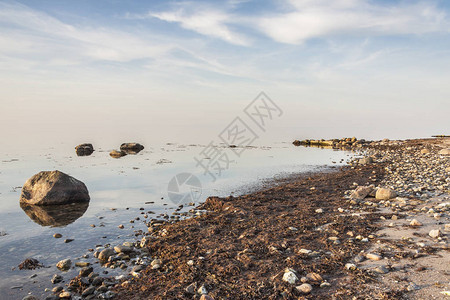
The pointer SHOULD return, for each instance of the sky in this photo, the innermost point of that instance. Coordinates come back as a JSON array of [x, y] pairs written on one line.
[[181, 71]]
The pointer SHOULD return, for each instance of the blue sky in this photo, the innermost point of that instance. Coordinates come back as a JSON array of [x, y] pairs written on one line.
[[338, 68]]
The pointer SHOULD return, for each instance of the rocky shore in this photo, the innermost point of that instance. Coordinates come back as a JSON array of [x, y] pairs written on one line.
[[375, 229]]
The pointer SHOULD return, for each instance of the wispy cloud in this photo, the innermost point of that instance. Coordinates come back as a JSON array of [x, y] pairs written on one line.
[[307, 19], [34, 35], [205, 21]]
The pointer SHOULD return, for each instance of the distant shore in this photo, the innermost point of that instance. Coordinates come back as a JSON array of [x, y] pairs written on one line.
[[377, 228]]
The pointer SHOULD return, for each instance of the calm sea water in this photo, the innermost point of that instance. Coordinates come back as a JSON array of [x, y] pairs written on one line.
[[119, 188]]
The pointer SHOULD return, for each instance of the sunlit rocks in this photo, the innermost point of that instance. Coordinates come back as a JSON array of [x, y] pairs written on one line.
[[53, 188]]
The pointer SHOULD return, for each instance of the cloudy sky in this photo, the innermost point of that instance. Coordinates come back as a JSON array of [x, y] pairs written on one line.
[[182, 70]]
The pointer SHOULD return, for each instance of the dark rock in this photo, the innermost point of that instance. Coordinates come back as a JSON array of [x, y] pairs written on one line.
[[56, 278], [53, 188], [84, 149], [131, 148], [86, 271], [30, 264]]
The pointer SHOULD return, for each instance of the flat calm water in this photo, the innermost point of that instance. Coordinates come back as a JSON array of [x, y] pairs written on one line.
[[121, 190]]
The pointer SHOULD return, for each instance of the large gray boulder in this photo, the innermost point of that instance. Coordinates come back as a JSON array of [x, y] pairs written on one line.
[[53, 188]]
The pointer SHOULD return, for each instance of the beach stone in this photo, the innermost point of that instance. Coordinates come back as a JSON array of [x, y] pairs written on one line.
[[202, 290], [57, 235], [123, 249], [380, 270], [88, 291], [190, 289], [444, 152], [447, 227], [435, 233], [65, 295], [289, 276], [365, 160], [206, 297], [64, 264], [385, 194], [314, 277], [319, 210], [30, 297], [414, 222], [56, 279], [373, 256], [57, 289], [86, 271], [106, 253], [425, 151], [305, 288], [350, 266], [361, 192], [53, 188], [82, 264]]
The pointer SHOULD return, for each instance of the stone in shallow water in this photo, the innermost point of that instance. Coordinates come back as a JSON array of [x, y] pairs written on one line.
[[64, 264], [53, 188]]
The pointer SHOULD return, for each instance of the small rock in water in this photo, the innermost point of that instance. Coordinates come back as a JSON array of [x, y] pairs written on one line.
[[64, 264], [88, 291], [86, 271], [56, 278], [289, 276], [30, 297], [106, 253], [121, 226], [305, 288], [123, 249], [435, 233], [82, 264], [65, 295], [68, 240], [57, 289], [57, 235]]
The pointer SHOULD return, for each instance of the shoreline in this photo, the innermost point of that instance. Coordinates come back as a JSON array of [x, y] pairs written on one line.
[[306, 228]]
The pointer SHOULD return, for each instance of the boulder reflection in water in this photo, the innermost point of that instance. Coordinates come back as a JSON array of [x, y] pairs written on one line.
[[55, 215]]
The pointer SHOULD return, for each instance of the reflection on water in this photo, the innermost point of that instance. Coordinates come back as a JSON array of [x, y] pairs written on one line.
[[132, 151], [55, 215]]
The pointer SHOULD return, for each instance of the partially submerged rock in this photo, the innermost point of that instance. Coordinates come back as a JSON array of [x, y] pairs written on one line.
[[84, 149], [53, 188], [30, 264], [117, 154], [131, 148]]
